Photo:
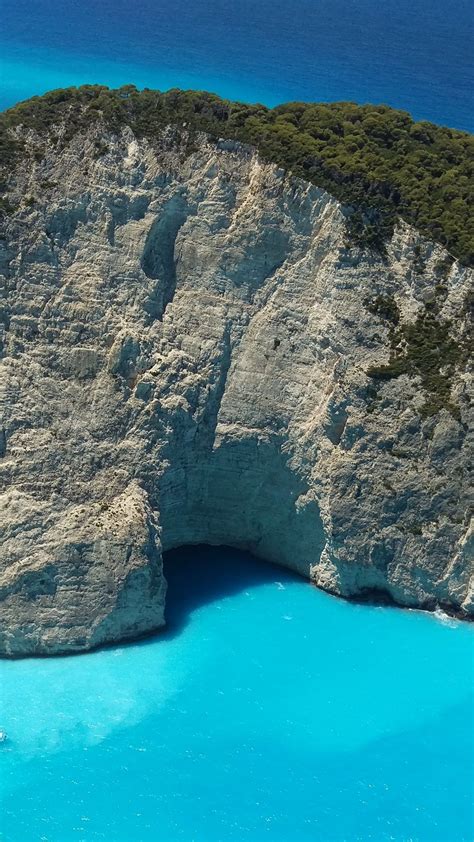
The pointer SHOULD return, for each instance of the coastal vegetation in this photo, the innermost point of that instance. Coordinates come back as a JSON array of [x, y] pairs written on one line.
[[378, 161], [423, 348]]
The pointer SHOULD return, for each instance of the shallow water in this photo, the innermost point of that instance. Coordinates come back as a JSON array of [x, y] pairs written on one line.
[[411, 54], [268, 710]]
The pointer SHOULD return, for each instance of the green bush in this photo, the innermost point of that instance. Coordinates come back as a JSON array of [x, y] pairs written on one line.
[[374, 159], [427, 349], [385, 307]]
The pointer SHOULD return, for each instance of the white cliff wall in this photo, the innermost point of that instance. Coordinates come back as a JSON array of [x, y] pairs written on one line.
[[185, 356]]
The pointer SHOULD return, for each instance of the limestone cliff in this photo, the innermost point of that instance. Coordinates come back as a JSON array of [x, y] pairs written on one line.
[[192, 352]]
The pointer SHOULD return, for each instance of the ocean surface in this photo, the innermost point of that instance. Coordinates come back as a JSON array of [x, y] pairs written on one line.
[[267, 711], [412, 54]]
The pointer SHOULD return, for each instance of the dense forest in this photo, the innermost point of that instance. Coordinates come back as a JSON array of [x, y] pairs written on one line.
[[378, 161]]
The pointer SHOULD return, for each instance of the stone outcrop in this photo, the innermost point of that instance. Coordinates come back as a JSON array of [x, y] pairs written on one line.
[[185, 352]]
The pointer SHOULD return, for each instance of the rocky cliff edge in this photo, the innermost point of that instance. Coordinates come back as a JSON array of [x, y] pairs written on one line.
[[193, 353]]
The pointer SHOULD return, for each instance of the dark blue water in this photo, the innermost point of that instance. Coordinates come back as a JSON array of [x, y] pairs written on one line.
[[412, 54], [267, 711]]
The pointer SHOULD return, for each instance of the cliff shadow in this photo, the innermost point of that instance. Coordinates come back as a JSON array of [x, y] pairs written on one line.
[[242, 494], [158, 260], [200, 574]]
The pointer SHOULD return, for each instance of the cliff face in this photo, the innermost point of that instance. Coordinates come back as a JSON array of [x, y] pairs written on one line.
[[186, 346]]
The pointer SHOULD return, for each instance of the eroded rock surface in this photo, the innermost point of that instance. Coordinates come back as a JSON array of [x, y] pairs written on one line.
[[186, 346]]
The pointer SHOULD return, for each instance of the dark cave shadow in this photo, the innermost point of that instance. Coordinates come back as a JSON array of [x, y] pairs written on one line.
[[198, 575]]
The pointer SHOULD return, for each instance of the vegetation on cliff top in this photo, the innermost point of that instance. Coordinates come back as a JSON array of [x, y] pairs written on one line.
[[375, 159]]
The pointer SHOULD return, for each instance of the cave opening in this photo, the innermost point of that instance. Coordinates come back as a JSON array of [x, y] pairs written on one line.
[[242, 493], [200, 574], [234, 515]]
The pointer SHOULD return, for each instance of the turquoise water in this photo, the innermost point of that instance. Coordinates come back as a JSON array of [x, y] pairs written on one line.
[[412, 54], [267, 711]]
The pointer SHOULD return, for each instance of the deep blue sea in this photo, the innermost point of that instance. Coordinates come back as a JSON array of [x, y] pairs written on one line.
[[412, 54], [267, 711]]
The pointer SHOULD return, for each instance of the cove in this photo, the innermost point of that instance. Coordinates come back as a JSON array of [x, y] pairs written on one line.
[[266, 710]]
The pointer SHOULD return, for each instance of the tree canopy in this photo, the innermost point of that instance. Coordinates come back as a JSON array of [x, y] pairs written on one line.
[[376, 160]]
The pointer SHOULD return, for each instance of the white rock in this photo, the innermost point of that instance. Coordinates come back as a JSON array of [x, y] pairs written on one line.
[[185, 361]]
